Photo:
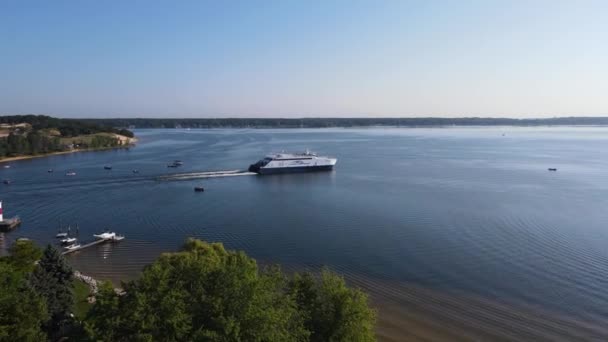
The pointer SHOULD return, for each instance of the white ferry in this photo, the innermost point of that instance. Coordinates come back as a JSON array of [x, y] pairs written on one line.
[[293, 162]]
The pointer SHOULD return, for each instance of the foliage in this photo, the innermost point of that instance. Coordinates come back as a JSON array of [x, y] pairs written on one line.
[[201, 293], [22, 310], [52, 279], [81, 295], [23, 255], [333, 312], [206, 293], [40, 136]]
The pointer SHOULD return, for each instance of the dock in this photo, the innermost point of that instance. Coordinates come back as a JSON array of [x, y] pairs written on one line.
[[9, 224], [205, 174], [90, 244]]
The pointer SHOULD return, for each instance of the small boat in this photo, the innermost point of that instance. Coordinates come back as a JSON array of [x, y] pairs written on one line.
[[552, 169], [70, 173], [7, 166], [50, 171], [118, 238], [68, 240], [172, 165], [6, 181], [71, 247], [178, 162], [135, 171], [107, 167], [61, 235], [105, 235], [199, 189]]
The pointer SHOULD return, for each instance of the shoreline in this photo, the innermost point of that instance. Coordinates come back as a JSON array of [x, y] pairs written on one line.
[[131, 143]]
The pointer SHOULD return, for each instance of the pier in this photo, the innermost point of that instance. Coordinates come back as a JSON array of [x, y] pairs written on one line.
[[205, 174], [90, 244]]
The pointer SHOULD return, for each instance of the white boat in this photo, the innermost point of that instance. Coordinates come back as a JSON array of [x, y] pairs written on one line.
[[74, 246], [61, 235], [118, 238], [7, 166], [293, 162], [105, 235], [71, 173], [68, 240]]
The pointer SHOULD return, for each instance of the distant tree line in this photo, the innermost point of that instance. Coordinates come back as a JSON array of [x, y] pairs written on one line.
[[46, 135], [66, 127], [342, 122], [201, 293]]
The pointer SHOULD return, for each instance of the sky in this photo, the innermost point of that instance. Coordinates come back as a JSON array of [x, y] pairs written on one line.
[[287, 58]]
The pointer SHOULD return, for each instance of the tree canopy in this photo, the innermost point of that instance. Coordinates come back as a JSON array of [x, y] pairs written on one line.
[[201, 293], [206, 293]]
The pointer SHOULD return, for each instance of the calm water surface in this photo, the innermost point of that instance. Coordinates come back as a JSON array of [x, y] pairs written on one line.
[[454, 210]]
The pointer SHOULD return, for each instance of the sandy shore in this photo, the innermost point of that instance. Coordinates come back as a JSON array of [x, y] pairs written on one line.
[[125, 140]]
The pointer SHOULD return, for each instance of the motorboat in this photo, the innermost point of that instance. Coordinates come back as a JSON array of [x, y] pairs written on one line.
[[68, 240], [61, 235], [105, 235], [70, 173], [71, 247], [199, 189]]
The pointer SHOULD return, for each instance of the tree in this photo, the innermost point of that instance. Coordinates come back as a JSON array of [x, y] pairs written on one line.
[[104, 318], [23, 255], [22, 310], [333, 311], [52, 279], [203, 293]]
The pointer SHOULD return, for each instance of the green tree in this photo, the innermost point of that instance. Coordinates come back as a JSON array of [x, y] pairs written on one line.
[[333, 312], [52, 279], [203, 293], [24, 254], [104, 319], [22, 310]]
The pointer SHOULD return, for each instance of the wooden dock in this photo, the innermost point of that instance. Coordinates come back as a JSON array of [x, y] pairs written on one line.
[[90, 244]]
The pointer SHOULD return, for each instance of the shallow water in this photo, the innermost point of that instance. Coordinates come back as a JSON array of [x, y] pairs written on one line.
[[463, 211]]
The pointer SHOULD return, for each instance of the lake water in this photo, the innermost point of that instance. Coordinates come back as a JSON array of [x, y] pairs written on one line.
[[463, 226]]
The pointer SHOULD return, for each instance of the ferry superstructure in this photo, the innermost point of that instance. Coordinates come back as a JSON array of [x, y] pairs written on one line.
[[293, 162]]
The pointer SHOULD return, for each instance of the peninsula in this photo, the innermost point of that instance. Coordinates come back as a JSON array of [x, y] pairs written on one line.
[[29, 136]]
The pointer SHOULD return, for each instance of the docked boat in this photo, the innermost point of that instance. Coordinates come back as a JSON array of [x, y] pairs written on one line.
[[73, 246], [68, 240], [118, 238], [61, 235], [105, 235], [199, 189], [293, 162]]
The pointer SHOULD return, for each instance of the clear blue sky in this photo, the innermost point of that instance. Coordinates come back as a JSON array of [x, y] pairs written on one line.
[[304, 58]]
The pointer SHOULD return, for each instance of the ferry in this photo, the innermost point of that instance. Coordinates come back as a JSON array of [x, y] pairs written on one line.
[[293, 162]]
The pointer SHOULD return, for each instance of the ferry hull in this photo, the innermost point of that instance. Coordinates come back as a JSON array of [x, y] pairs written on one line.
[[295, 169]]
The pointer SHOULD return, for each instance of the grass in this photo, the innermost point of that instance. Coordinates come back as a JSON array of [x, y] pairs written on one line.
[[81, 306]]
